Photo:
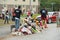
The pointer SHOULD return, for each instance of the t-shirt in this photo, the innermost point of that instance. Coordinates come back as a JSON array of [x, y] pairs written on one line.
[[43, 13], [28, 13], [3, 11], [59, 15], [7, 15], [18, 13]]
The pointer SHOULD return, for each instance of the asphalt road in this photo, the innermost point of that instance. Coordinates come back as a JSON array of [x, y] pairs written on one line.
[[4, 30], [52, 33]]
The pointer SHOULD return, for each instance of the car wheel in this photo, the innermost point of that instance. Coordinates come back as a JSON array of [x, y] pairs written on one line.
[[49, 21]]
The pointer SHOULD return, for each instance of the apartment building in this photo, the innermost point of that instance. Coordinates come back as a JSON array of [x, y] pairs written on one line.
[[25, 4]]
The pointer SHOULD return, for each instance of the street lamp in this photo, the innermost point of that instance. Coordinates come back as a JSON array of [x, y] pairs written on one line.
[[30, 6], [52, 6]]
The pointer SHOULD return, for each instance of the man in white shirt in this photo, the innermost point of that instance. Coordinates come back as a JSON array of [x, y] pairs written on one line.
[[3, 13]]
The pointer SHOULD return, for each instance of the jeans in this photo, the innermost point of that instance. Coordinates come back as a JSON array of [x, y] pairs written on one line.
[[17, 23], [6, 20], [3, 16]]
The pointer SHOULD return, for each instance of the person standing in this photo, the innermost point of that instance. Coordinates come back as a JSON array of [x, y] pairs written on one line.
[[13, 14], [6, 17], [28, 13], [18, 12], [58, 18], [44, 17], [10, 14], [3, 13]]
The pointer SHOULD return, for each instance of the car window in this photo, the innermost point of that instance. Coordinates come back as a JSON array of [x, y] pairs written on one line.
[[54, 14], [50, 13]]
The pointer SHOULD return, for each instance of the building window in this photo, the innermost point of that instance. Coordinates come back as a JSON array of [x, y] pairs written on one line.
[[34, 0], [24, 0], [33, 6], [15, 0], [15, 5]]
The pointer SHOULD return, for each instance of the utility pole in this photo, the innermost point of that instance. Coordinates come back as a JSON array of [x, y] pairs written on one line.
[[52, 6]]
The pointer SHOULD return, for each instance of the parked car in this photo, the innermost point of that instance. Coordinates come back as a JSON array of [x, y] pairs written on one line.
[[51, 17]]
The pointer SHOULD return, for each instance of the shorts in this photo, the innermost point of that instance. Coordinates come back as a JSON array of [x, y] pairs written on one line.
[[58, 21], [44, 21]]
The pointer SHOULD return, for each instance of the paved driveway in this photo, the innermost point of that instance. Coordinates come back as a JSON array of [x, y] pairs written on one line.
[[52, 33]]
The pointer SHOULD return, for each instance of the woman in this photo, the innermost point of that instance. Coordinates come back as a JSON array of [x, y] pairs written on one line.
[[13, 14], [6, 17]]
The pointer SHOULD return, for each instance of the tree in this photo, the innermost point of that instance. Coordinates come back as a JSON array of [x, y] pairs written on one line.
[[48, 5]]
